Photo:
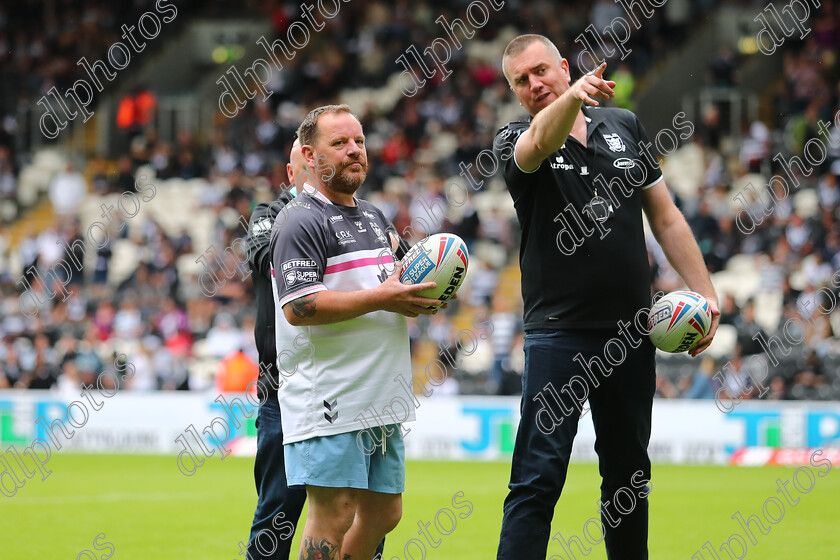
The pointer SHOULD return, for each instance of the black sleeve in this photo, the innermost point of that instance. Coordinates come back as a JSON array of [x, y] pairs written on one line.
[[654, 174], [257, 241], [299, 253], [404, 245], [504, 145], [259, 234]]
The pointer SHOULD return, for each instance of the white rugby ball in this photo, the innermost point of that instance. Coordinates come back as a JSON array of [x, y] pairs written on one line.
[[678, 320], [440, 258]]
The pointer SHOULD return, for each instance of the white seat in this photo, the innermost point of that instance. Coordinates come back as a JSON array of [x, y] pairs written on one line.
[[723, 345], [768, 309], [123, 261], [739, 263], [806, 203]]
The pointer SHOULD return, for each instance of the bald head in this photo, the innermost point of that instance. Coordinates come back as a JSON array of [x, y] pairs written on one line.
[[297, 166]]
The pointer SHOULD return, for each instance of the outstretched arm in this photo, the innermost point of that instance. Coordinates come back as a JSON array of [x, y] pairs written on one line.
[[551, 126]]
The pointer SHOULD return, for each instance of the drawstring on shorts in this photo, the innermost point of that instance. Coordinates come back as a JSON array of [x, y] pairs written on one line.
[[384, 440]]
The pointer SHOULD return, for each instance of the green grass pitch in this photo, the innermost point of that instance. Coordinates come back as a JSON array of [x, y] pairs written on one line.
[[150, 511]]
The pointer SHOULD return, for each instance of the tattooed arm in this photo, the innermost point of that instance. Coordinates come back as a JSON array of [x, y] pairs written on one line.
[[330, 306]]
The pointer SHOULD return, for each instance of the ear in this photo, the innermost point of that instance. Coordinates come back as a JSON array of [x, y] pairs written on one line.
[[564, 66], [308, 155], [290, 174]]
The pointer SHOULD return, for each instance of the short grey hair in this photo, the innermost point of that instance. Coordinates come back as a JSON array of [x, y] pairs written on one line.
[[308, 131], [522, 42]]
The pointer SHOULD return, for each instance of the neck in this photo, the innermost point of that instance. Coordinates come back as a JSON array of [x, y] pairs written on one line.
[[337, 197]]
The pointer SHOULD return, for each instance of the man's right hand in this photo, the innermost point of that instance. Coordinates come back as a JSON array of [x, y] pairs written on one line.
[[401, 298], [593, 85]]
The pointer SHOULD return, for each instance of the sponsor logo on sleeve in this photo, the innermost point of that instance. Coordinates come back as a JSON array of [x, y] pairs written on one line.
[[334, 219], [261, 227], [299, 271]]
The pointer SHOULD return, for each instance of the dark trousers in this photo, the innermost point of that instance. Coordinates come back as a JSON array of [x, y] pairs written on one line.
[[277, 504], [621, 403]]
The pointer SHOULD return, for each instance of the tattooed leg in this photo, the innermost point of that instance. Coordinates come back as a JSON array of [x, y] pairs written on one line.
[[322, 550], [331, 513]]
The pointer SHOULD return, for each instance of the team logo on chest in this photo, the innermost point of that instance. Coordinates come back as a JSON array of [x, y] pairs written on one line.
[[614, 142], [344, 237]]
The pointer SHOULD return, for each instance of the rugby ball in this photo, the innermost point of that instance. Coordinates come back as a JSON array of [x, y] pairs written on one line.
[[440, 258], [678, 320]]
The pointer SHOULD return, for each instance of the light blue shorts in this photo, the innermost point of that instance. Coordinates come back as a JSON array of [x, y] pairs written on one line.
[[340, 461]]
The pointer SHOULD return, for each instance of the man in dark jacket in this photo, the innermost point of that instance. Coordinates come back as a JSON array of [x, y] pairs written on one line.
[[278, 506]]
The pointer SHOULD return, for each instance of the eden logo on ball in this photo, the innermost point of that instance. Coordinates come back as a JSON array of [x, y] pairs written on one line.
[[687, 342]]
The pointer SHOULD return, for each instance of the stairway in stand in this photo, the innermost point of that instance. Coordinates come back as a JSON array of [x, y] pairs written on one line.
[[35, 220]]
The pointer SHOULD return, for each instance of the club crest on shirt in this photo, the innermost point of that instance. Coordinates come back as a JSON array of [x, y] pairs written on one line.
[[614, 142], [379, 235]]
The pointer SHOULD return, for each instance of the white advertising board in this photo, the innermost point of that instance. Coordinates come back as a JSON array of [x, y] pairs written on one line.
[[449, 428]]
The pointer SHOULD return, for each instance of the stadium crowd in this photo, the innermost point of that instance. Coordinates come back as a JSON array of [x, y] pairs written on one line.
[[414, 147]]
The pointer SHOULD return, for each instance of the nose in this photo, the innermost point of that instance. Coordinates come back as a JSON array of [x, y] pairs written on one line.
[[535, 82], [353, 148]]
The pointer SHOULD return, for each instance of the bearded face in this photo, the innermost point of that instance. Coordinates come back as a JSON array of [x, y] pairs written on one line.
[[338, 154], [349, 174]]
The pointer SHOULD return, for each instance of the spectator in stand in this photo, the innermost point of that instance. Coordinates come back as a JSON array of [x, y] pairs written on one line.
[[128, 322], [749, 332], [235, 372], [224, 338], [736, 382], [777, 390], [505, 326], [702, 386], [67, 190], [729, 311]]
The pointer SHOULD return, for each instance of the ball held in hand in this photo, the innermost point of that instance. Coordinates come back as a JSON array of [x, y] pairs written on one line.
[[441, 258], [678, 321]]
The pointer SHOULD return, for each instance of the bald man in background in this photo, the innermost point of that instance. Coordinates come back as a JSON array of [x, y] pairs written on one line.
[[278, 506]]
